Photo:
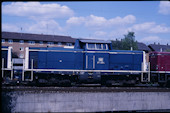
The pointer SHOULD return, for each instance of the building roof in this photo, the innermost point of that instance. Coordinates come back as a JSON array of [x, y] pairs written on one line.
[[94, 41], [158, 47], [37, 37], [142, 47]]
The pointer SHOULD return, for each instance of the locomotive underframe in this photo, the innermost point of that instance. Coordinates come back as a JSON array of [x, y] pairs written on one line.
[[160, 77], [91, 76], [108, 77]]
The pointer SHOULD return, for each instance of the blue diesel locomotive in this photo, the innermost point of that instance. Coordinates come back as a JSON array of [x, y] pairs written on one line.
[[90, 61]]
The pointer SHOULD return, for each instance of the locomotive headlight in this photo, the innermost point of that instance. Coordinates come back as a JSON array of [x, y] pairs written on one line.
[[90, 76]]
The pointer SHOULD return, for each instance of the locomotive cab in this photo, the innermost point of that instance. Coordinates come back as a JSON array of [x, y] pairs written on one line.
[[97, 45], [95, 57], [96, 53]]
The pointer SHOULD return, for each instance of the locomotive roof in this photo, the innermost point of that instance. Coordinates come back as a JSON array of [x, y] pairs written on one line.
[[129, 51], [157, 52], [95, 41]]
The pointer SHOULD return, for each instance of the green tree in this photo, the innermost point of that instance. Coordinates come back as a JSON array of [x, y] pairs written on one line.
[[116, 44], [129, 41], [126, 43]]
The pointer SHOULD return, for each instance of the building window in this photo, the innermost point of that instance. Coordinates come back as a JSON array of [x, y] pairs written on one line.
[[10, 41], [21, 41], [31, 42], [21, 49], [69, 44], [41, 42], [3, 40], [50, 43], [59, 44]]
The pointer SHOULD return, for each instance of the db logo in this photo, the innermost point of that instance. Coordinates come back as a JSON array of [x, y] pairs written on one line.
[[100, 61]]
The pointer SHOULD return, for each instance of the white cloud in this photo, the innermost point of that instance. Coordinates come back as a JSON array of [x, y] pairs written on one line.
[[150, 39], [100, 22], [118, 33], [37, 10], [129, 19], [150, 27], [100, 33], [110, 35], [160, 29], [45, 27], [143, 26], [10, 27], [156, 39], [164, 7], [75, 20], [94, 21]]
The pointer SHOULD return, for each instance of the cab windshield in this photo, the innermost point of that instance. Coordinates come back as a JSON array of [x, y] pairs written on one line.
[[97, 46]]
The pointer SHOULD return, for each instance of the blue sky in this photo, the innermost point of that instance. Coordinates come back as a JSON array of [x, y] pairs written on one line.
[[107, 20]]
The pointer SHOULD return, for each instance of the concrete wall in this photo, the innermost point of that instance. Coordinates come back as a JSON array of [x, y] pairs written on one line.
[[88, 102]]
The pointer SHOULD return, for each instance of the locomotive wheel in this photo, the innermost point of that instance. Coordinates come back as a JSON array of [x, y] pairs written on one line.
[[65, 83], [109, 83]]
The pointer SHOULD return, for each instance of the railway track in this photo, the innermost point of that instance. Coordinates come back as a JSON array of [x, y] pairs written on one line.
[[84, 89]]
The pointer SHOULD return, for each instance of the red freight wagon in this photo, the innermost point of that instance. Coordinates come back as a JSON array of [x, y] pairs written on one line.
[[160, 61]]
